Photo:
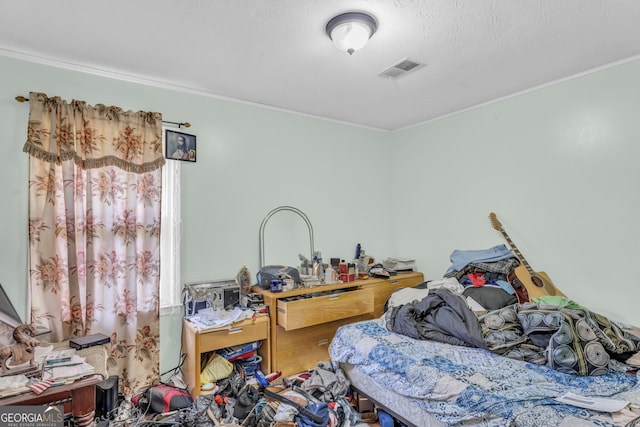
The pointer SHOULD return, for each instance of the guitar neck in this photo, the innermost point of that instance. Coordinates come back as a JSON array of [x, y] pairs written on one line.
[[517, 252]]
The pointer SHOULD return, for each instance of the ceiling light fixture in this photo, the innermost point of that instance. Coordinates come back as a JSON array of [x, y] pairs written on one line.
[[350, 31]]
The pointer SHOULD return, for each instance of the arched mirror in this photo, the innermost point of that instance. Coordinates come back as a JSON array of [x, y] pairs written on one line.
[[287, 237]]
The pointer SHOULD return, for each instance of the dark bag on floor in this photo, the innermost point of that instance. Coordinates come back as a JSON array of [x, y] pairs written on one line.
[[162, 398], [246, 400]]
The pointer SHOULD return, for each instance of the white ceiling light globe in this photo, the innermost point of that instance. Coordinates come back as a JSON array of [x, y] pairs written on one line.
[[351, 31]]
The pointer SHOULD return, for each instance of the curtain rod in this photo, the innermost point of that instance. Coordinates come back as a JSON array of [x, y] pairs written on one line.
[[21, 98]]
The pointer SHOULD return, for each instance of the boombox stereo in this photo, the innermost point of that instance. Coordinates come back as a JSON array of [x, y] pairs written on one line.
[[218, 295]]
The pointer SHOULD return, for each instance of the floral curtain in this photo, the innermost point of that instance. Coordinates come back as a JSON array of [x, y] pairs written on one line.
[[94, 229]]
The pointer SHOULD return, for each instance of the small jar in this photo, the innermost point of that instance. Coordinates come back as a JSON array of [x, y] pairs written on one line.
[[288, 284]]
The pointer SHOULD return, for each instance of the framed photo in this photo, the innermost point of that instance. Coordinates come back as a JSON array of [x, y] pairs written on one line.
[[179, 146]]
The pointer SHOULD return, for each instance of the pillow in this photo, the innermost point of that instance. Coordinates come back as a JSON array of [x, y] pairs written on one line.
[[416, 293], [405, 296]]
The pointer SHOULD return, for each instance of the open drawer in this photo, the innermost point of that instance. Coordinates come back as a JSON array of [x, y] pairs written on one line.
[[300, 313]]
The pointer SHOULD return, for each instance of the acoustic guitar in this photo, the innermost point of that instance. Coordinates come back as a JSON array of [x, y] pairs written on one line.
[[527, 284]]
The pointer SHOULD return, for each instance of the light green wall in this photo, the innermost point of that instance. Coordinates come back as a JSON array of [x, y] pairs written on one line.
[[557, 165], [250, 160]]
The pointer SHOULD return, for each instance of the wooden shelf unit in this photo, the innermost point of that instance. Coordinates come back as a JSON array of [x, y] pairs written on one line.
[[196, 343]]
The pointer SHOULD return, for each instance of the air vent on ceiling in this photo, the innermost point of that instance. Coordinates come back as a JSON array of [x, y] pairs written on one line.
[[399, 69]]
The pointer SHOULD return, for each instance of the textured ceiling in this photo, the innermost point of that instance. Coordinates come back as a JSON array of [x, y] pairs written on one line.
[[276, 52]]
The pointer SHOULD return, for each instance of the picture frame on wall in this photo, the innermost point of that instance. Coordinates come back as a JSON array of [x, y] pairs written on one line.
[[179, 146]]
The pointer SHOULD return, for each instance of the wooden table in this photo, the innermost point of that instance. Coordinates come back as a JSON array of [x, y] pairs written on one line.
[[78, 397]]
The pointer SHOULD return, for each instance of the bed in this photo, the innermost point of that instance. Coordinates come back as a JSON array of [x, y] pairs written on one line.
[[424, 382]]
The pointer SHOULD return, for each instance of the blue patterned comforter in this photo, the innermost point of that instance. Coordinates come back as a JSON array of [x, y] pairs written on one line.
[[464, 385]]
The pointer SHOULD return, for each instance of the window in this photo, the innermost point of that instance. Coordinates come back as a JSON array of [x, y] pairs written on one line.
[[170, 298]]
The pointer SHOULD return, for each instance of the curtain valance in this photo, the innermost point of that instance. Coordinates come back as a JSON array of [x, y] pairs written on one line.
[[93, 136]]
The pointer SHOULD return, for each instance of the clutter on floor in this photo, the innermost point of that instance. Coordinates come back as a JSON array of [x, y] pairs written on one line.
[[321, 397]]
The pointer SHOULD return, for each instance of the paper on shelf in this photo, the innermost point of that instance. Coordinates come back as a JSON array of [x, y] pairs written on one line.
[[70, 361], [80, 369], [220, 319], [13, 381], [41, 352], [62, 357]]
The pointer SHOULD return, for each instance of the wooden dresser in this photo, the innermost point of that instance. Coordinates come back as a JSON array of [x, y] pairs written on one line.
[[304, 320]]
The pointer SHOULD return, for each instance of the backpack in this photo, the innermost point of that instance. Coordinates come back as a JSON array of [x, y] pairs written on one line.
[[162, 398]]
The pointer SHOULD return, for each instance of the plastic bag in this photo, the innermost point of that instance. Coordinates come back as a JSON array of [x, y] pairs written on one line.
[[245, 401], [216, 369]]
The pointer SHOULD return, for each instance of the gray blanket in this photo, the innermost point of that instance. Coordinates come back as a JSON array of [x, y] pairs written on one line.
[[441, 316]]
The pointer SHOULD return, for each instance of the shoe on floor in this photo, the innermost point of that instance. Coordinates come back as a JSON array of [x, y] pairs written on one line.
[[369, 417]]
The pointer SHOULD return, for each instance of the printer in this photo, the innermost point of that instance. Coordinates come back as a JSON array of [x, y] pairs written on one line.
[[399, 265]]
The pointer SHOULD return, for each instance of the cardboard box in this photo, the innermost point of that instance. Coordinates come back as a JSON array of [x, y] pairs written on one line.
[[347, 272], [362, 403], [347, 278]]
